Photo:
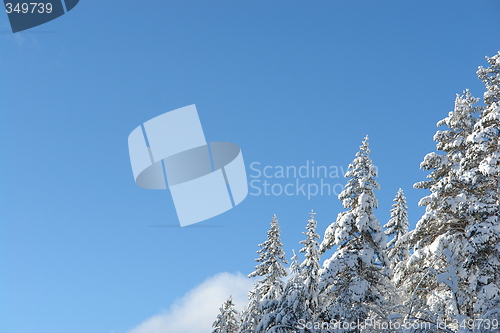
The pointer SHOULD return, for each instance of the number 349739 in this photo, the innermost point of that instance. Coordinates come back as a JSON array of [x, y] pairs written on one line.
[[28, 7]]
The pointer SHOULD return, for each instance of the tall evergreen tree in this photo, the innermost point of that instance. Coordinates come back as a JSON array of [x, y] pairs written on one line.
[[446, 203], [397, 228], [292, 304], [483, 236], [355, 279], [271, 269], [271, 260], [310, 266], [252, 314], [434, 276], [226, 321]]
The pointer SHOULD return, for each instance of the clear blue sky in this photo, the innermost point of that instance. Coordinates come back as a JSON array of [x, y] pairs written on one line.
[[289, 81]]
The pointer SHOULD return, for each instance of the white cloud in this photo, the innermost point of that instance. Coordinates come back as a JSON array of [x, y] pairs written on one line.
[[196, 310]]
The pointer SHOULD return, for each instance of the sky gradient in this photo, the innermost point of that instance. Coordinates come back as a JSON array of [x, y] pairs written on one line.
[[83, 249]]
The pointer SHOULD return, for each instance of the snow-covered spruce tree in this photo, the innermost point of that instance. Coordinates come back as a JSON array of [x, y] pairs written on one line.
[[271, 269], [447, 200], [226, 321], [251, 315], [433, 276], [310, 266], [292, 313], [356, 279], [271, 260], [483, 236], [397, 227], [299, 301]]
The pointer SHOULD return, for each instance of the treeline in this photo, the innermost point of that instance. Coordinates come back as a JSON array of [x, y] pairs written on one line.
[[443, 276]]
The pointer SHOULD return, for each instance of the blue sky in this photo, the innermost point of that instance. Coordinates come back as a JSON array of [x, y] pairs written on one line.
[[288, 81]]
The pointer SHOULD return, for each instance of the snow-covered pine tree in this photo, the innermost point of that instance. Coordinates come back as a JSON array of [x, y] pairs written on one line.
[[271, 260], [251, 315], [271, 269], [397, 228], [310, 266], [355, 280], [295, 267], [226, 321], [292, 304], [433, 275], [448, 190], [483, 236]]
